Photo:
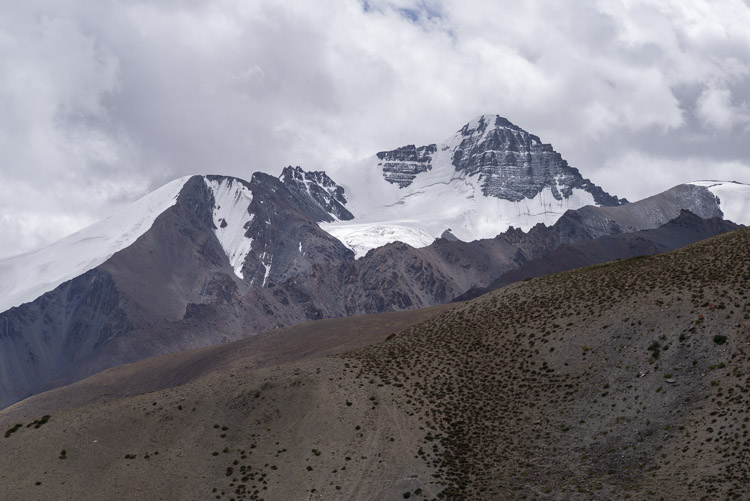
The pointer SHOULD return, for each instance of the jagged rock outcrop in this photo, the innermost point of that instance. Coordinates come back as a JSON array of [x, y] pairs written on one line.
[[402, 165], [321, 188], [513, 164]]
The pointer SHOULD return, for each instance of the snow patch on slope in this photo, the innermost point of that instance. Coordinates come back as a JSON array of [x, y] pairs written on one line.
[[267, 266], [734, 199], [25, 277], [231, 217]]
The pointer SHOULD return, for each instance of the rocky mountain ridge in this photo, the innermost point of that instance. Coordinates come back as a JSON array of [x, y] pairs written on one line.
[[209, 259], [511, 163], [177, 287]]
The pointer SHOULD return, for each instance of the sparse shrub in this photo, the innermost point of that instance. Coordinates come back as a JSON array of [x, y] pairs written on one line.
[[719, 339], [655, 349], [37, 423], [12, 430]]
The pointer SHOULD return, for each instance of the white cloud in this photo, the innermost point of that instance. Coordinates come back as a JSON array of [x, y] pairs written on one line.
[[103, 101], [715, 108], [637, 175]]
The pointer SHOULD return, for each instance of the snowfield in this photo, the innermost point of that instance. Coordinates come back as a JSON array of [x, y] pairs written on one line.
[[27, 276], [734, 199]]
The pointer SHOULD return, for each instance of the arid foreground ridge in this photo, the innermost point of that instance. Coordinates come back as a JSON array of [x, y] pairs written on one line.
[[616, 381]]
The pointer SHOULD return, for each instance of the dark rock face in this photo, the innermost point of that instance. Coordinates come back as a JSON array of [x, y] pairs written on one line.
[[513, 164], [401, 166], [287, 241], [40, 338], [320, 188]]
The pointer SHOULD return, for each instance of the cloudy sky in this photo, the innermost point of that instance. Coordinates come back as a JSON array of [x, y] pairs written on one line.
[[101, 102]]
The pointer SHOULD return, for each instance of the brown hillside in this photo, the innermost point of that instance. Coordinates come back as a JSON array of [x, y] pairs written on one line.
[[625, 380]]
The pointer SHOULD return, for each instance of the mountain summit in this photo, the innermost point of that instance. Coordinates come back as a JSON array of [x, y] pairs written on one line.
[[488, 176], [515, 165]]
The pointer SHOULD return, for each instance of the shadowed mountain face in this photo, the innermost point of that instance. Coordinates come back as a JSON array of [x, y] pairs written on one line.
[[176, 273], [177, 288], [685, 229], [615, 381]]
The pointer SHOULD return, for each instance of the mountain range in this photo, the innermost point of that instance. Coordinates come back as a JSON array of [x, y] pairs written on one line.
[[209, 259]]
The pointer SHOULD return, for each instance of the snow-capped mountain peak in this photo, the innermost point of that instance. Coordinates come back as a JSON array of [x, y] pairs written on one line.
[[27, 276], [488, 176]]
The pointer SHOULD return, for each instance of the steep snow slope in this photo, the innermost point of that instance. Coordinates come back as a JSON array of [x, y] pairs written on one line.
[[489, 176], [734, 199], [231, 216], [25, 277]]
